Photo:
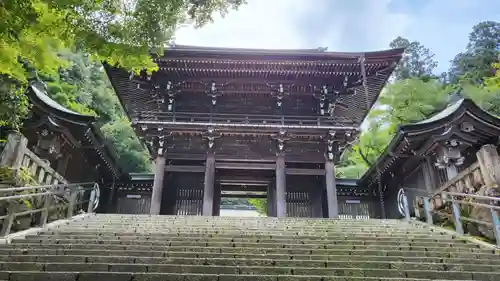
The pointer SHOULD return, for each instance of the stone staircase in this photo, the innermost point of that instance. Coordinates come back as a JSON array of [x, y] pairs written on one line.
[[141, 247]]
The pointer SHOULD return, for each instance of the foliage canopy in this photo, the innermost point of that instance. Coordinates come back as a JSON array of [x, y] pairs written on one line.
[[416, 93], [33, 33], [63, 42]]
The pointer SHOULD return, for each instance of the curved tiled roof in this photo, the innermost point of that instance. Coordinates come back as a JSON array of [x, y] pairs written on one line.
[[41, 99], [82, 127], [313, 51], [422, 134]]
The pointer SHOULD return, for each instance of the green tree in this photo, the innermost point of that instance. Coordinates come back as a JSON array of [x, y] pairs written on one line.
[[410, 100], [34, 32], [260, 204], [488, 98], [416, 94], [475, 64], [131, 152], [417, 61], [494, 82], [402, 102]]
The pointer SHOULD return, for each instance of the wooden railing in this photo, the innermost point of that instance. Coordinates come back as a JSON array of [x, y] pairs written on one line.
[[47, 203], [18, 158], [243, 119], [471, 198], [468, 181]]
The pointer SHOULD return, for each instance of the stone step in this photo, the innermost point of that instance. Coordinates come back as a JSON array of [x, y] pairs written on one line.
[[237, 242], [426, 272], [243, 267], [256, 248], [125, 276], [143, 247], [460, 265], [238, 221], [280, 239], [247, 228], [262, 244], [261, 229], [235, 224], [103, 217], [280, 261], [248, 225], [235, 234], [321, 256]]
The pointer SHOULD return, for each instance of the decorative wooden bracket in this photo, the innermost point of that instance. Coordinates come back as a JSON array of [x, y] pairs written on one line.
[[328, 98], [280, 139], [211, 134], [278, 92], [157, 143]]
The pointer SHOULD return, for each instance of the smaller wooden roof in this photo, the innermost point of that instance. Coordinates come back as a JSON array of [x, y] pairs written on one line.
[[463, 120], [38, 96], [82, 130]]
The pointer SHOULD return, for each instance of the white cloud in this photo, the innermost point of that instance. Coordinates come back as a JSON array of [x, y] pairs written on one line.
[[361, 25], [341, 25], [344, 25], [259, 24]]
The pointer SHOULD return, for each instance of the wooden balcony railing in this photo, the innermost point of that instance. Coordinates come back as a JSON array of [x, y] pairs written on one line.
[[243, 119]]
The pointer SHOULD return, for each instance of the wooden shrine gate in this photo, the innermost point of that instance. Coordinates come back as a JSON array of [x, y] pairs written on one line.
[[298, 204], [189, 201]]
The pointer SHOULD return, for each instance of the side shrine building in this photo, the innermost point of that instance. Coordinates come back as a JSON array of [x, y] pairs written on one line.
[[59, 146], [435, 155], [233, 122]]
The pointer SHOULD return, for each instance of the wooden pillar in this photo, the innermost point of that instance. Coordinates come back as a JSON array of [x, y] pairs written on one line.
[[451, 171], [271, 200], [208, 192], [280, 187], [169, 196], [489, 163], [12, 154], [331, 190], [217, 198], [381, 194], [111, 208], [316, 202], [62, 164], [429, 175], [159, 172]]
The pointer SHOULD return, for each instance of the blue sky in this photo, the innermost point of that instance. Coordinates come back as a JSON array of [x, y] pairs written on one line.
[[347, 25]]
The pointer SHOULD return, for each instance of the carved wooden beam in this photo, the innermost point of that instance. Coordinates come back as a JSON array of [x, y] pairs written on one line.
[[244, 166]]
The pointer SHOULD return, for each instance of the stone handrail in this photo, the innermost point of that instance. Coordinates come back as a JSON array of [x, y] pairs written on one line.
[[17, 156]]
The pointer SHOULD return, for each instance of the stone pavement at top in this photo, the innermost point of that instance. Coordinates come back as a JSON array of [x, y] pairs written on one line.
[[141, 247]]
